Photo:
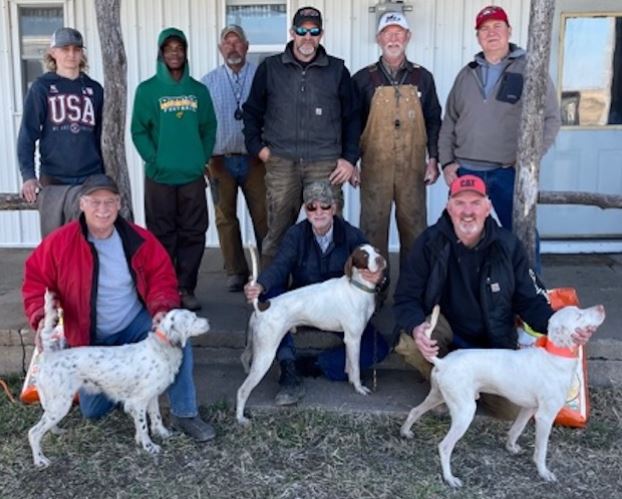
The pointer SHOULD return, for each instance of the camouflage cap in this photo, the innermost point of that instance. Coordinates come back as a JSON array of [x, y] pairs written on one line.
[[319, 190]]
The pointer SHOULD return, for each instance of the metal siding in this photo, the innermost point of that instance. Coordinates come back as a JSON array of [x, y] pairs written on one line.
[[443, 41]]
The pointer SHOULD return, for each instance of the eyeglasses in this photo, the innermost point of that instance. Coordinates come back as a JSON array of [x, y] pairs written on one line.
[[313, 207], [312, 31], [98, 203]]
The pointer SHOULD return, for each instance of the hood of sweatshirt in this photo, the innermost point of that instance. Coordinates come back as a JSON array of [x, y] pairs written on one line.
[[162, 71], [514, 53]]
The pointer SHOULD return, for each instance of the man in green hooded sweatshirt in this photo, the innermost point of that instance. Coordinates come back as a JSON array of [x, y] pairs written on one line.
[[174, 129]]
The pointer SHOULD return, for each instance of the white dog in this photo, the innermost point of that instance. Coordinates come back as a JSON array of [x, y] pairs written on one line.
[[134, 374], [340, 304], [532, 378]]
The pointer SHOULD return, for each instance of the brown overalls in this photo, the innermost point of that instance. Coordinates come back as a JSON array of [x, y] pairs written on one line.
[[393, 164]]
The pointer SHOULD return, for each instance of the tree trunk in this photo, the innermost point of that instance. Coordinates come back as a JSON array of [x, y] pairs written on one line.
[[532, 124], [108, 13]]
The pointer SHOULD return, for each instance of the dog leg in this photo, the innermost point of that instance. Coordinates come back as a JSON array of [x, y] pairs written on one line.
[[544, 423], [462, 414], [353, 354], [261, 363], [155, 419], [139, 414], [517, 428], [433, 400], [55, 409]]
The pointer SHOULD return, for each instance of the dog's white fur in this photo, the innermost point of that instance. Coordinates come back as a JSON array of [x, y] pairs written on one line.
[[134, 374], [333, 305], [532, 378]]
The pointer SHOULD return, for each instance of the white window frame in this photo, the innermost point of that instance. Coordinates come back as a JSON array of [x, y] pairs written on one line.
[[14, 6]]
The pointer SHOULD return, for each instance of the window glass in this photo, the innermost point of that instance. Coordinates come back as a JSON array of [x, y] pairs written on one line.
[[36, 25], [265, 23], [591, 87]]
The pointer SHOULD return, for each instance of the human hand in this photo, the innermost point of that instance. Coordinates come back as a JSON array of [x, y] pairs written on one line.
[[342, 172], [355, 179], [157, 318], [264, 154], [450, 172], [252, 290], [426, 345], [30, 190], [431, 172], [582, 335], [370, 276]]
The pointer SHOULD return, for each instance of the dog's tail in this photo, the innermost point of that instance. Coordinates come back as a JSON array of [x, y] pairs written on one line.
[[255, 266], [433, 321], [51, 318]]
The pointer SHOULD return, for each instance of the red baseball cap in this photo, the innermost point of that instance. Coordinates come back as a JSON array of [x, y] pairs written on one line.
[[467, 183], [491, 12]]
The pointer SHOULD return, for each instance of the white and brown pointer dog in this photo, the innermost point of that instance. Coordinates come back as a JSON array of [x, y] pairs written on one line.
[[133, 374], [341, 304]]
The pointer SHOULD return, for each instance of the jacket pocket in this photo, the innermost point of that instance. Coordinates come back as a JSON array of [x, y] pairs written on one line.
[[511, 88]]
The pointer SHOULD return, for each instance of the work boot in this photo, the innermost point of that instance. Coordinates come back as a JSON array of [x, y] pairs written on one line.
[[189, 301], [235, 283], [194, 427], [307, 366], [292, 389]]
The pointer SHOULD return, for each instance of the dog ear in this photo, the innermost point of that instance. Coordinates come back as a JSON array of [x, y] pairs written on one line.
[[347, 269]]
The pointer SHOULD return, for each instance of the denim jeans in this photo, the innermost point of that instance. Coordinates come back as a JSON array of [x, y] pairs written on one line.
[[181, 393], [500, 185], [237, 166]]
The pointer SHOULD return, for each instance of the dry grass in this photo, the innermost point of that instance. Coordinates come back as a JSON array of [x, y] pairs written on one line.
[[310, 454]]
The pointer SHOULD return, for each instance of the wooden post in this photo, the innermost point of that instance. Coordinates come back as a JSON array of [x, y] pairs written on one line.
[[108, 13], [532, 124]]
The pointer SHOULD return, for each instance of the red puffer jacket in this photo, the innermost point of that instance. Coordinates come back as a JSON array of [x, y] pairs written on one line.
[[66, 263]]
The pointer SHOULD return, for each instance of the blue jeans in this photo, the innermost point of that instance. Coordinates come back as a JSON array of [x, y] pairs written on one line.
[[333, 362], [500, 185], [237, 166], [181, 393]]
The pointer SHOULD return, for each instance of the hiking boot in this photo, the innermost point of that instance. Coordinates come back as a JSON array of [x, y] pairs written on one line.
[[292, 389], [235, 283], [307, 367], [189, 301], [194, 427]]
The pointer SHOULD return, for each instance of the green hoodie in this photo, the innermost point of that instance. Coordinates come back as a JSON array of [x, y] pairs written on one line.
[[173, 123]]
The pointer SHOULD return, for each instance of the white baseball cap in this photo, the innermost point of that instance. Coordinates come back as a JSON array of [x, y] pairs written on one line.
[[392, 18]]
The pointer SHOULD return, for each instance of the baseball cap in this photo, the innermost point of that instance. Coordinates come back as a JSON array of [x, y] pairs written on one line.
[[233, 28], [467, 183], [392, 19], [307, 14], [491, 12], [319, 190], [64, 37], [97, 182]]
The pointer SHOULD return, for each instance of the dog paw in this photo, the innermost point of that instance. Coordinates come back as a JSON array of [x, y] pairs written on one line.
[[406, 433], [547, 475], [41, 462], [152, 448], [363, 390], [162, 432], [453, 481], [513, 448], [244, 422]]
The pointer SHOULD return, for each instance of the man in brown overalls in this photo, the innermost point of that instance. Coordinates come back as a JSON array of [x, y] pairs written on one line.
[[400, 118]]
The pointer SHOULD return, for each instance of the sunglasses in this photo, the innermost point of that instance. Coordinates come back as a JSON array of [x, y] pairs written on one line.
[[311, 31], [314, 207]]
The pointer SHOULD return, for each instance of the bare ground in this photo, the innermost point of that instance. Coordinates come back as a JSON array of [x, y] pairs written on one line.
[[308, 454]]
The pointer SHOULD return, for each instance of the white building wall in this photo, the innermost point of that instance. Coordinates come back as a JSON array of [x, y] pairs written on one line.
[[443, 41]]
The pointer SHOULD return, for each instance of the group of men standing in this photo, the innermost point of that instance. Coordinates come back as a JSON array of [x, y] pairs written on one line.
[[288, 132]]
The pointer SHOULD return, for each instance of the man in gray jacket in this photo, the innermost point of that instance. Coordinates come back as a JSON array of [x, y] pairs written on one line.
[[479, 134]]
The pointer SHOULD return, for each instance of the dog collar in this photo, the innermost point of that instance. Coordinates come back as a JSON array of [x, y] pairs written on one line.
[[159, 334], [357, 284], [553, 349]]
